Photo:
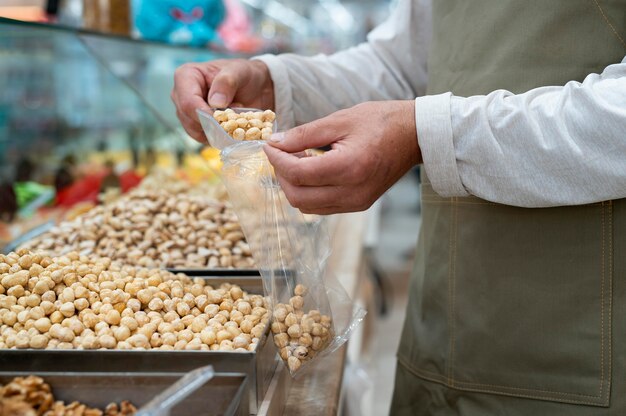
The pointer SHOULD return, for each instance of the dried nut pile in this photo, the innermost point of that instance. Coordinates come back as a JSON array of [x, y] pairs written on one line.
[[76, 302], [298, 335], [250, 125], [166, 180], [32, 396], [154, 229]]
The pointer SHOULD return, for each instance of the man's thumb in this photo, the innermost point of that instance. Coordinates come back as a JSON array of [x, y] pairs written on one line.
[[224, 86]]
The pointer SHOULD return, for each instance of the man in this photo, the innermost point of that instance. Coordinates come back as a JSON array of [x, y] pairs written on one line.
[[518, 296]]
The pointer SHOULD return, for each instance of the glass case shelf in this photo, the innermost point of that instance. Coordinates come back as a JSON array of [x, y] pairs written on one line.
[[77, 106]]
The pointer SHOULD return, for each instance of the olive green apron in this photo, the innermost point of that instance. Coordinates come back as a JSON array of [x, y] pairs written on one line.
[[517, 311]]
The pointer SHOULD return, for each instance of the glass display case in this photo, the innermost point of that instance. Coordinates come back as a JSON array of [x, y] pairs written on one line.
[[80, 113]]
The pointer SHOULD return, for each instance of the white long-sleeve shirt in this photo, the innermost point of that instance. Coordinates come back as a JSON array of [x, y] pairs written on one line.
[[550, 146]]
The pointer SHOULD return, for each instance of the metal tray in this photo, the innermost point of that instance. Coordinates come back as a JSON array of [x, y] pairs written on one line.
[[222, 395], [216, 272], [258, 365]]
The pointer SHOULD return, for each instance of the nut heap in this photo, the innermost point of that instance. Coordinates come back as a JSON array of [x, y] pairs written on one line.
[[32, 396], [166, 180], [153, 229], [250, 125], [298, 335], [78, 302]]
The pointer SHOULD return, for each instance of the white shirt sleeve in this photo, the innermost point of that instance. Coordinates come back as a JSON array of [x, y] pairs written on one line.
[[390, 65], [550, 146]]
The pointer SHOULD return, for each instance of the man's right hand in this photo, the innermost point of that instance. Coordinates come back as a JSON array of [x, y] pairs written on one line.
[[219, 84]]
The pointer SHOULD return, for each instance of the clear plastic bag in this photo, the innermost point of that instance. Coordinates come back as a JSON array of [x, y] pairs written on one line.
[[312, 313]]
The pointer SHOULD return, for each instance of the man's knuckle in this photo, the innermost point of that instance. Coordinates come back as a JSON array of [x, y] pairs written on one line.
[[195, 133], [182, 70], [295, 199], [186, 105], [362, 207], [363, 204], [226, 78], [361, 201], [300, 133], [307, 173], [292, 177]]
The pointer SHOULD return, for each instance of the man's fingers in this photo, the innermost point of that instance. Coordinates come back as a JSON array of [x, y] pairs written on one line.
[[323, 200], [190, 88], [192, 127], [318, 133], [327, 169], [226, 83], [307, 198]]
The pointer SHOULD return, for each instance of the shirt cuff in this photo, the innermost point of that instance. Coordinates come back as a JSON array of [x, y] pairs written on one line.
[[283, 100], [434, 130]]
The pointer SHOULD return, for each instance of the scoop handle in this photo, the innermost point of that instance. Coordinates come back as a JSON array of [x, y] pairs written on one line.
[[170, 397]]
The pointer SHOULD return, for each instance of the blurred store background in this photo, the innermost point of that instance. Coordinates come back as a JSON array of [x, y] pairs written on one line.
[[87, 83], [246, 26], [85, 98]]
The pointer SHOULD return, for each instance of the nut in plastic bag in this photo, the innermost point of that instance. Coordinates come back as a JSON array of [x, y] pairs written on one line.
[[312, 313]]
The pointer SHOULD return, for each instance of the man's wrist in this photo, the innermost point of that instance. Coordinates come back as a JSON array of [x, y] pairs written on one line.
[[413, 137], [282, 94], [267, 84]]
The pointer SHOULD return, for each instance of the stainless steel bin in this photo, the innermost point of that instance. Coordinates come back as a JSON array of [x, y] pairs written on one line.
[[225, 394]]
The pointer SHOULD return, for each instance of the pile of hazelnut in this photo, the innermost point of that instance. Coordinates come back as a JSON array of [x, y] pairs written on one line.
[[151, 228], [161, 179], [32, 396], [77, 302]]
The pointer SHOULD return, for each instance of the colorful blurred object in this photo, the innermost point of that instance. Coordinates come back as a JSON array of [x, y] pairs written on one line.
[[191, 22], [211, 155], [88, 188], [25, 13], [237, 30], [29, 191], [85, 189], [8, 202]]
